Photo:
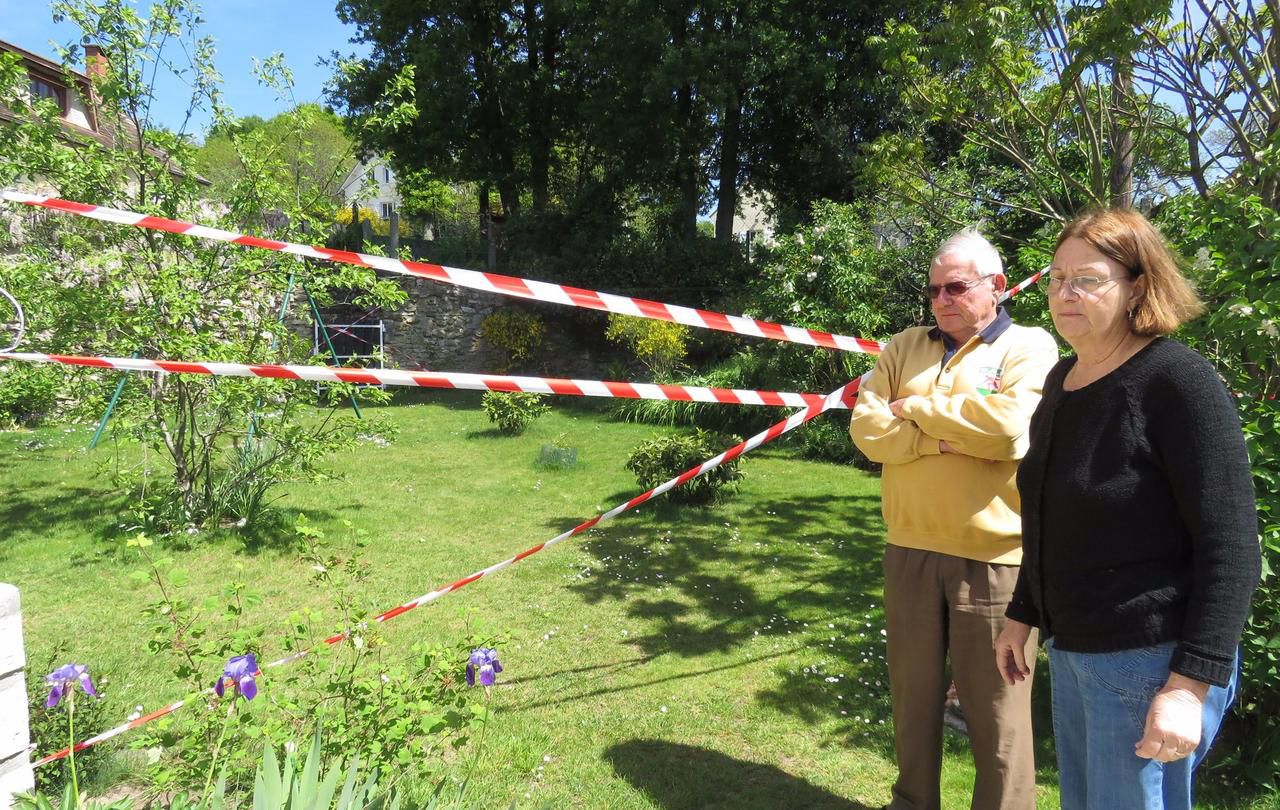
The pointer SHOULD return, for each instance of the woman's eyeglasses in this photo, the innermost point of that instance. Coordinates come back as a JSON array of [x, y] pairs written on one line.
[[955, 289], [1080, 285]]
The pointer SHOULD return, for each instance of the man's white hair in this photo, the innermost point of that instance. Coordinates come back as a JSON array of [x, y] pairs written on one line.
[[971, 245]]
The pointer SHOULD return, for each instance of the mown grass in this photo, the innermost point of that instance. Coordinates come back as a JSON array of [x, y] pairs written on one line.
[[675, 658]]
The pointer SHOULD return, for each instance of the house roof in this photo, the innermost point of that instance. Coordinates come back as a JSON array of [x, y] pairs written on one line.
[[106, 133]]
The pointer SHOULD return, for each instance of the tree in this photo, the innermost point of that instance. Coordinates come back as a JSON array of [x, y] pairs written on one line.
[[312, 152], [570, 106], [106, 290], [1089, 103]]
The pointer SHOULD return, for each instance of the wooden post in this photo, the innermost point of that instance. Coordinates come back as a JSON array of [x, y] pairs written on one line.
[[16, 773], [393, 242]]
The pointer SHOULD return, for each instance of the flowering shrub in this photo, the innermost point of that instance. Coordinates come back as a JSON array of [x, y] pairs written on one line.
[[664, 457], [513, 412], [387, 706], [514, 331], [379, 226], [659, 345]]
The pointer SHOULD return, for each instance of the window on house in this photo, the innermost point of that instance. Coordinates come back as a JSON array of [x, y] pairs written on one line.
[[386, 175], [45, 89], [387, 208]]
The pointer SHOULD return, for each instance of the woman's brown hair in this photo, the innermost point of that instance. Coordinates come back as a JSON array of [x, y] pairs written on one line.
[[1126, 236]]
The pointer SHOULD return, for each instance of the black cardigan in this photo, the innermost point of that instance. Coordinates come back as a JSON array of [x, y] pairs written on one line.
[[1139, 524]]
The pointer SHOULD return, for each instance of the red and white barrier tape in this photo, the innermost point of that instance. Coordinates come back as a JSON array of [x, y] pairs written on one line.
[[1022, 285], [840, 398], [488, 282], [439, 379]]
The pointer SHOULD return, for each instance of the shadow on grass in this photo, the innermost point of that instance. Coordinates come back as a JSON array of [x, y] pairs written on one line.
[[675, 777], [487, 433], [709, 590], [636, 662], [46, 506], [814, 584]]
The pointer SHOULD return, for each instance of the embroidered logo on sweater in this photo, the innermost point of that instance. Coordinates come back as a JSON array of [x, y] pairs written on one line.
[[989, 379]]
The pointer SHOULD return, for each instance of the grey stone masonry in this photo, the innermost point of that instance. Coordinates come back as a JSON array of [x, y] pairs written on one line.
[[16, 774]]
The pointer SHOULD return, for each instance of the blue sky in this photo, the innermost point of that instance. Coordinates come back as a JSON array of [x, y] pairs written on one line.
[[303, 30]]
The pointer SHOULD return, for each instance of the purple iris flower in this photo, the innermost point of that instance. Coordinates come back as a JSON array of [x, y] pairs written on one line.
[[239, 675], [486, 661], [63, 680]]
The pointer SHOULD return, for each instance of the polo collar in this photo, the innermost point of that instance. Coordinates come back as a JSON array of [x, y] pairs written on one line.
[[994, 330]]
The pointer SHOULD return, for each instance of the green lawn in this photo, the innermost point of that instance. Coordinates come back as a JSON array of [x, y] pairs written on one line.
[[674, 658]]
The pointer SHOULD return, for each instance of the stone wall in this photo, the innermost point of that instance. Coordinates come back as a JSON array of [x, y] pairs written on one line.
[[438, 328]]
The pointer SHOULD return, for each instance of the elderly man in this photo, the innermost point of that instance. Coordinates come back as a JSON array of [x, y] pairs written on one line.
[[946, 411]]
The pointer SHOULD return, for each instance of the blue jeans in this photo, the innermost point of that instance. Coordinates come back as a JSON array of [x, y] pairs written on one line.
[[1100, 703]]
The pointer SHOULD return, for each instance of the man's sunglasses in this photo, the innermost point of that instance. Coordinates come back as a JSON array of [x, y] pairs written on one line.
[[955, 289]]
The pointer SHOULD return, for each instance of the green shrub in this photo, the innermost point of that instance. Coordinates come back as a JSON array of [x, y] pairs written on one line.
[[513, 412], [28, 393], [662, 458], [516, 332], [826, 438], [1234, 239]]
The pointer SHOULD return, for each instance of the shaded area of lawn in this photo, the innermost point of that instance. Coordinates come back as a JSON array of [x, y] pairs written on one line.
[[686, 777]]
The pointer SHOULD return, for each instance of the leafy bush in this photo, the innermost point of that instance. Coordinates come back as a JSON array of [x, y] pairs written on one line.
[[28, 393], [514, 411], [852, 270], [516, 332], [662, 458], [1235, 240], [659, 345], [89, 291], [826, 438]]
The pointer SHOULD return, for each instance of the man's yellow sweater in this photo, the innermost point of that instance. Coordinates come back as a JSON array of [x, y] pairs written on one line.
[[980, 403]]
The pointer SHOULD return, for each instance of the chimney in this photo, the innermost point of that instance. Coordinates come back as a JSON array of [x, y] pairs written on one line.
[[95, 62]]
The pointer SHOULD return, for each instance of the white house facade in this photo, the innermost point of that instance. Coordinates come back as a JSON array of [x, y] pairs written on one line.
[[372, 184]]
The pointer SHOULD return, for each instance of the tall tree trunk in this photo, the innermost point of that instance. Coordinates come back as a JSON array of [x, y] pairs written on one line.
[[1120, 182], [486, 226], [686, 158], [539, 45], [730, 145], [686, 165]]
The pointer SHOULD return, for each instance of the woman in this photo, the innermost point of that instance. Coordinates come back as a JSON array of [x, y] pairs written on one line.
[[1140, 534]]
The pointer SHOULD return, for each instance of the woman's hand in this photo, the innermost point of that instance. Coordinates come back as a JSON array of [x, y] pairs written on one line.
[[1011, 657], [1174, 720]]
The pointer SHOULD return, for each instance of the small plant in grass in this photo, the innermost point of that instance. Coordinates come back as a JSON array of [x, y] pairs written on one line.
[[514, 331], [513, 412], [557, 454], [315, 784], [664, 457]]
